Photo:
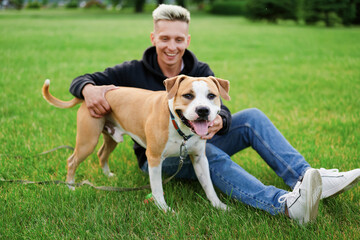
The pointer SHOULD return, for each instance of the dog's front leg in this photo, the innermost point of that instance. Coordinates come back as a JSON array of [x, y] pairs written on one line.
[[201, 167], [157, 187]]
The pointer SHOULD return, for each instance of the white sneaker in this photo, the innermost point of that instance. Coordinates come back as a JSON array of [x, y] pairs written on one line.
[[335, 182], [303, 202]]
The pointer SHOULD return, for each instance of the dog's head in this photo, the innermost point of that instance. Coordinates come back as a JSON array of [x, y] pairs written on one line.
[[196, 101]]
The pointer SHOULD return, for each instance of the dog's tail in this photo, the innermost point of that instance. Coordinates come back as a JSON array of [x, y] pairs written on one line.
[[55, 101]]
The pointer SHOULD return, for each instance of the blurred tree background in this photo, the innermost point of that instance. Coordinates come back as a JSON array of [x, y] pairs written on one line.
[[328, 12]]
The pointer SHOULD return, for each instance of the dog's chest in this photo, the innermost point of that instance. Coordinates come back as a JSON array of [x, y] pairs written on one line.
[[194, 145]]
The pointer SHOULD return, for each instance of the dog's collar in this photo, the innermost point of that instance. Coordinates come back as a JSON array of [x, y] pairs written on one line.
[[176, 126]]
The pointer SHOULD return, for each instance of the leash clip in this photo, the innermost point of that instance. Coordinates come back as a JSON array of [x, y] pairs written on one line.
[[183, 150]]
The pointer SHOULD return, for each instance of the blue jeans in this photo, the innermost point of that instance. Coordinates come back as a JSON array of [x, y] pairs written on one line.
[[249, 128]]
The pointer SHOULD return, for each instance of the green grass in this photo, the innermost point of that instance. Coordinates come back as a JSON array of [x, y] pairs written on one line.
[[306, 79]]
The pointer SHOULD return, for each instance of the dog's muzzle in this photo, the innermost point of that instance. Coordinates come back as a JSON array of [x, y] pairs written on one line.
[[202, 112], [199, 126]]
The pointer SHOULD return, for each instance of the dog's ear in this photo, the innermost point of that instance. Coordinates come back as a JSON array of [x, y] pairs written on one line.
[[172, 85], [223, 86]]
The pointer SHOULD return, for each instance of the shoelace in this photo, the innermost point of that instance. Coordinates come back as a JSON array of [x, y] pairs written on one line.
[[329, 172], [334, 170], [286, 196]]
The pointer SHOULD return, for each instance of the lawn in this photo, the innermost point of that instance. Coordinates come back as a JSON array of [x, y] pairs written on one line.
[[306, 79]]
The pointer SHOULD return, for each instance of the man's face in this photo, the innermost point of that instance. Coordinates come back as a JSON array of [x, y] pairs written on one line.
[[170, 38]]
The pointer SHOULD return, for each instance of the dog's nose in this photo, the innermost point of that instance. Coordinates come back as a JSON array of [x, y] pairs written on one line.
[[202, 111]]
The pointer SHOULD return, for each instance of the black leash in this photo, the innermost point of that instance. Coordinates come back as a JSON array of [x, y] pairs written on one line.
[[57, 148], [40, 154], [183, 154]]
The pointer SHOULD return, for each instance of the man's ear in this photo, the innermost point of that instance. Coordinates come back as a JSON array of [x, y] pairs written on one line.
[[152, 38], [172, 85], [188, 41], [223, 86]]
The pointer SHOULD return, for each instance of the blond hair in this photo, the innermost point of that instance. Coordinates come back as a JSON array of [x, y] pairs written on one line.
[[171, 13]]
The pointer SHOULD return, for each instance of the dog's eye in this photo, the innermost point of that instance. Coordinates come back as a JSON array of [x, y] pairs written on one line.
[[188, 96], [211, 96]]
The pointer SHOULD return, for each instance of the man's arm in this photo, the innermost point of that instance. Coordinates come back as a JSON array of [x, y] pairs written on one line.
[[111, 76], [93, 87], [95, 100], [226, 117]]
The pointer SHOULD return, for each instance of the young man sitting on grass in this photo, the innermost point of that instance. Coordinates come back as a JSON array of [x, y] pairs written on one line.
[[230, 134]]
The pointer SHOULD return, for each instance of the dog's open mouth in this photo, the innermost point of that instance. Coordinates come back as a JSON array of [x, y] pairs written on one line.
[[200, 127]]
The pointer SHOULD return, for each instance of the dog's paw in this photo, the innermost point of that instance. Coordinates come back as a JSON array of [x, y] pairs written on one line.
[[110, 174], [164, 207], [71, 187], [222, 206], [168, 210], [106, 171]]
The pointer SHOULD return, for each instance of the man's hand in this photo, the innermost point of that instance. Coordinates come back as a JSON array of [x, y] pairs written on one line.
[[95, 99], [217, 126]]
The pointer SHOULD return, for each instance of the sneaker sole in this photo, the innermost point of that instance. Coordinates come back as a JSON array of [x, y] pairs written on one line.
[[312, 181], [340, 189]]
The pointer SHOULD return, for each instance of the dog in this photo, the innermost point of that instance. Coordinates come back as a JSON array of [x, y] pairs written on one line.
[[147, 117]]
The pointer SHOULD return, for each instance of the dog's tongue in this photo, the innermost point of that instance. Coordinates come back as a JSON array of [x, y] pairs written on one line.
[[201, 127]]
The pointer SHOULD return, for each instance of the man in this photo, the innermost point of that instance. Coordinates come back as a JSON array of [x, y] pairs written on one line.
[[230, 134]]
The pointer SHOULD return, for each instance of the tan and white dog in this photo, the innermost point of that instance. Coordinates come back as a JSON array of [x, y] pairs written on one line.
[[145, 116]]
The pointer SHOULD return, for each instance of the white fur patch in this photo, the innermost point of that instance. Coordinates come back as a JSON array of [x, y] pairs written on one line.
[[201, 90]]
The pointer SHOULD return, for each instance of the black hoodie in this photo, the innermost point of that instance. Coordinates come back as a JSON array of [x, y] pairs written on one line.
[[146, 74]]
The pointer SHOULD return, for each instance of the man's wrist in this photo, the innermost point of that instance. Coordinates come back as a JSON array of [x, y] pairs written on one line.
[[85, 88]]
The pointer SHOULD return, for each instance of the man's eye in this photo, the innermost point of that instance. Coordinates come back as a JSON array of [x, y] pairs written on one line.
[[211, 96], [188, 96]]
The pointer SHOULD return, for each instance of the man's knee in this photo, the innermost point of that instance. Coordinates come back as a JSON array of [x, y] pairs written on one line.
[[214, 153], [255, 113], [249, 116]]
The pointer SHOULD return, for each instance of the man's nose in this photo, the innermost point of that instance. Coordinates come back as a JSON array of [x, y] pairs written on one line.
[[172, 45]]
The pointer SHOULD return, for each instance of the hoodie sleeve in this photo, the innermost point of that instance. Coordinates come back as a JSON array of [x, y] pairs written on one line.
[[110, 76], [124, 74], [225, 114]]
